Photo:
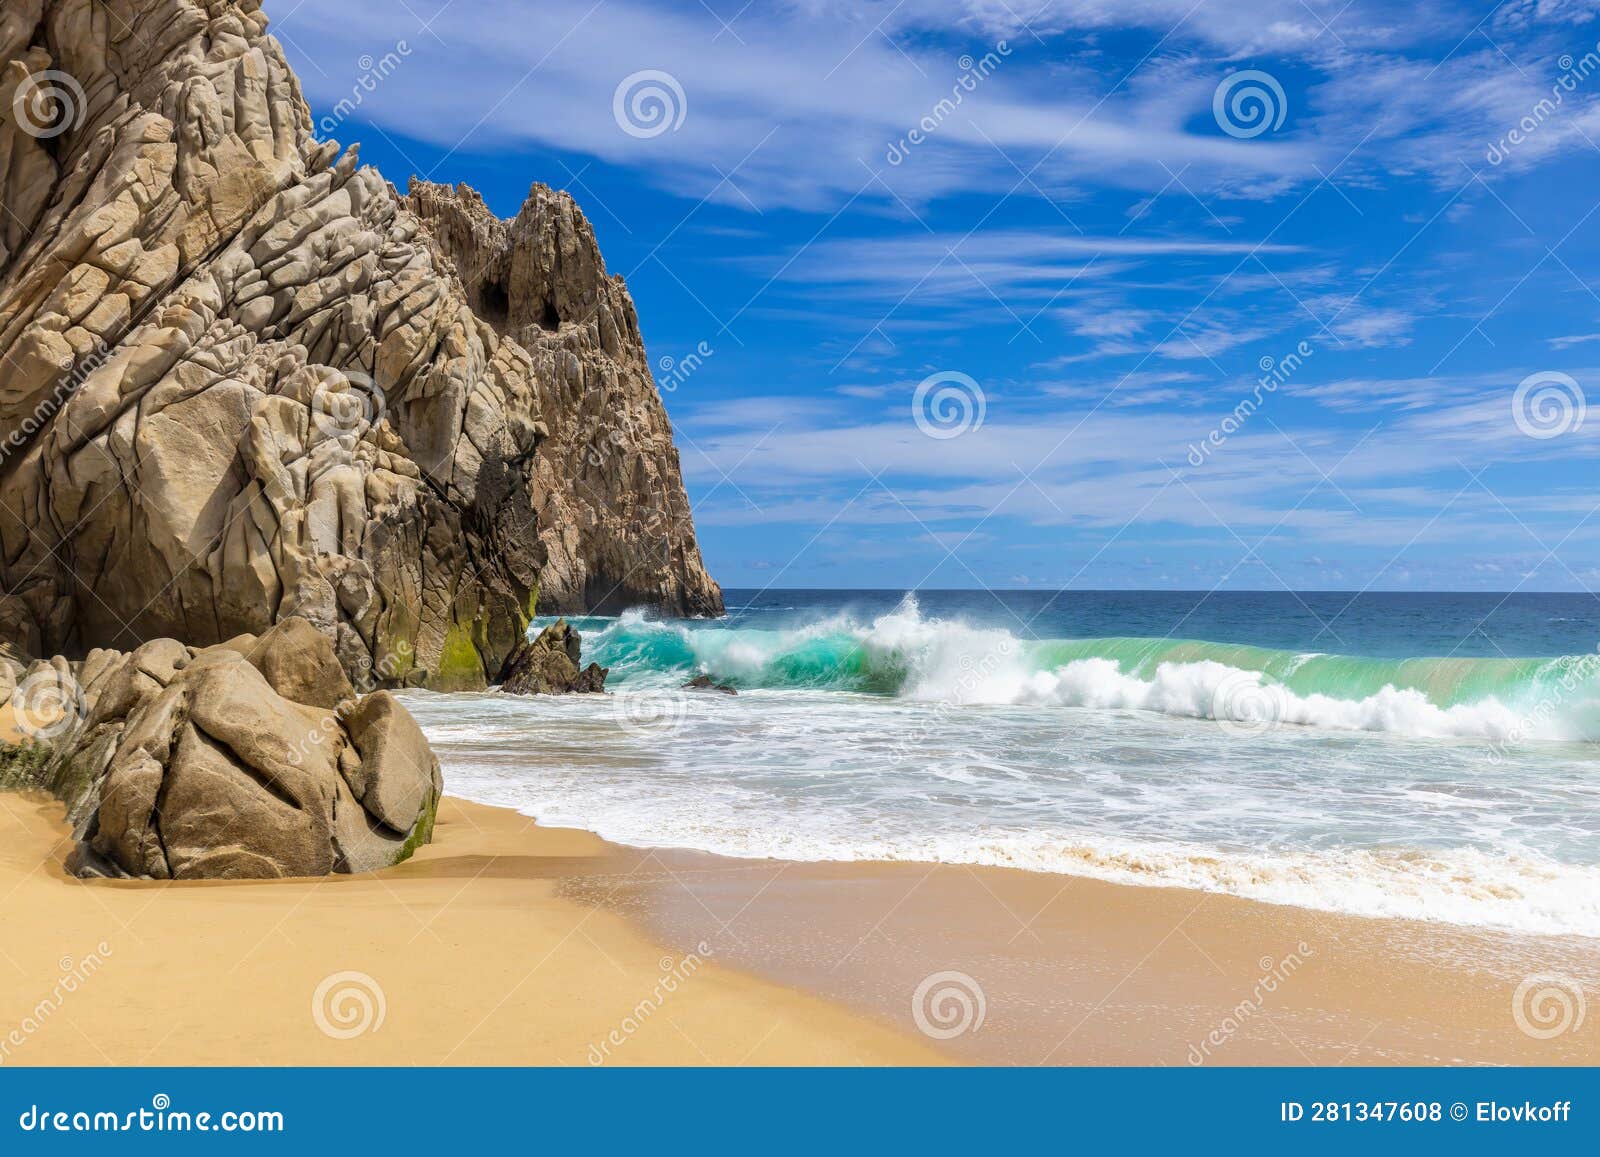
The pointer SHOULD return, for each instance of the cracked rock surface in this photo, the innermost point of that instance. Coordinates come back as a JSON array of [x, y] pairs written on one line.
[[249, 759], [614, 519], [243, 380]]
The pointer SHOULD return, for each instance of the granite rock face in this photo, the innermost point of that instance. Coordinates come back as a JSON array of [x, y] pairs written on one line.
[[242, 382], [614, 520], [550, 665], [249, 759]]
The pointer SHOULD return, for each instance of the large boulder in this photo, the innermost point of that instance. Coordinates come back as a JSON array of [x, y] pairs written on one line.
[[184, 763], [243, 381]]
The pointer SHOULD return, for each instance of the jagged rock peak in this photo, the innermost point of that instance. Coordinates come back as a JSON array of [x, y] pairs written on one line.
[[620, 533]]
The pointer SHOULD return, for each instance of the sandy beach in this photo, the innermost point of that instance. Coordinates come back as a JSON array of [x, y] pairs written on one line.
[[470, 950], [509, 943]]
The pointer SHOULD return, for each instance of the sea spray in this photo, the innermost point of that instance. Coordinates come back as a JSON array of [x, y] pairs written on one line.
[[909, 656], [1353, 784]]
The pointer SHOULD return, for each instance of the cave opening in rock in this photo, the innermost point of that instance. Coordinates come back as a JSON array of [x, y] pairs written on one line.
[[550, 319], [494, 304]]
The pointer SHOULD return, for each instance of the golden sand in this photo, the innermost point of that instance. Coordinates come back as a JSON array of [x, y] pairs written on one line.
[[468, 950], [508, 943]]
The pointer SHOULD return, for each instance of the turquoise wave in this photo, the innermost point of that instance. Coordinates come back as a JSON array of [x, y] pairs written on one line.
[[846, 659], [830, 659], [904, 655]]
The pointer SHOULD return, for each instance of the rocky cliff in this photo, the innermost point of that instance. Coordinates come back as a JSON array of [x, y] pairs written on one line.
[[614, 520], [242, 380]]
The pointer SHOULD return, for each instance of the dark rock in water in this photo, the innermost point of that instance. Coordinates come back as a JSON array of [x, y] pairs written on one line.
[[707, 683], [549, 665]]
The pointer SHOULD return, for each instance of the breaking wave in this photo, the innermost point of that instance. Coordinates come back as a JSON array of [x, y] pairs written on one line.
[[905, 655]]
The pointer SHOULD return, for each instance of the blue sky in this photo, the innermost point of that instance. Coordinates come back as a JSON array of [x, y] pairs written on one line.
[[1131, 210]]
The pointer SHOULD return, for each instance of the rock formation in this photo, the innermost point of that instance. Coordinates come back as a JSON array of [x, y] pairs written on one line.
[[253, 758], [242, 381], [707, 683], [614, 520], [549, 665]]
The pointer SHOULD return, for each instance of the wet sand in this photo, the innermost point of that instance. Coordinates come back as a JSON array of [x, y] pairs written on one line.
[[1074, 971], [509, 943]]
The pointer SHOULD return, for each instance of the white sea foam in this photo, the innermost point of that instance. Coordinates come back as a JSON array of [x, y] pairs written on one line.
[[1454, 790], [951, 662], [1209, 690]]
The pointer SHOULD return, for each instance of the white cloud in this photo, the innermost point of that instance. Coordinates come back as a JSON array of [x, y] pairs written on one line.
[[797, 104], [1012, 264], [798, 111]]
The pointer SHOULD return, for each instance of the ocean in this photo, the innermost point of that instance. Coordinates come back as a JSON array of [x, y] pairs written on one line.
[[1428, 756]]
